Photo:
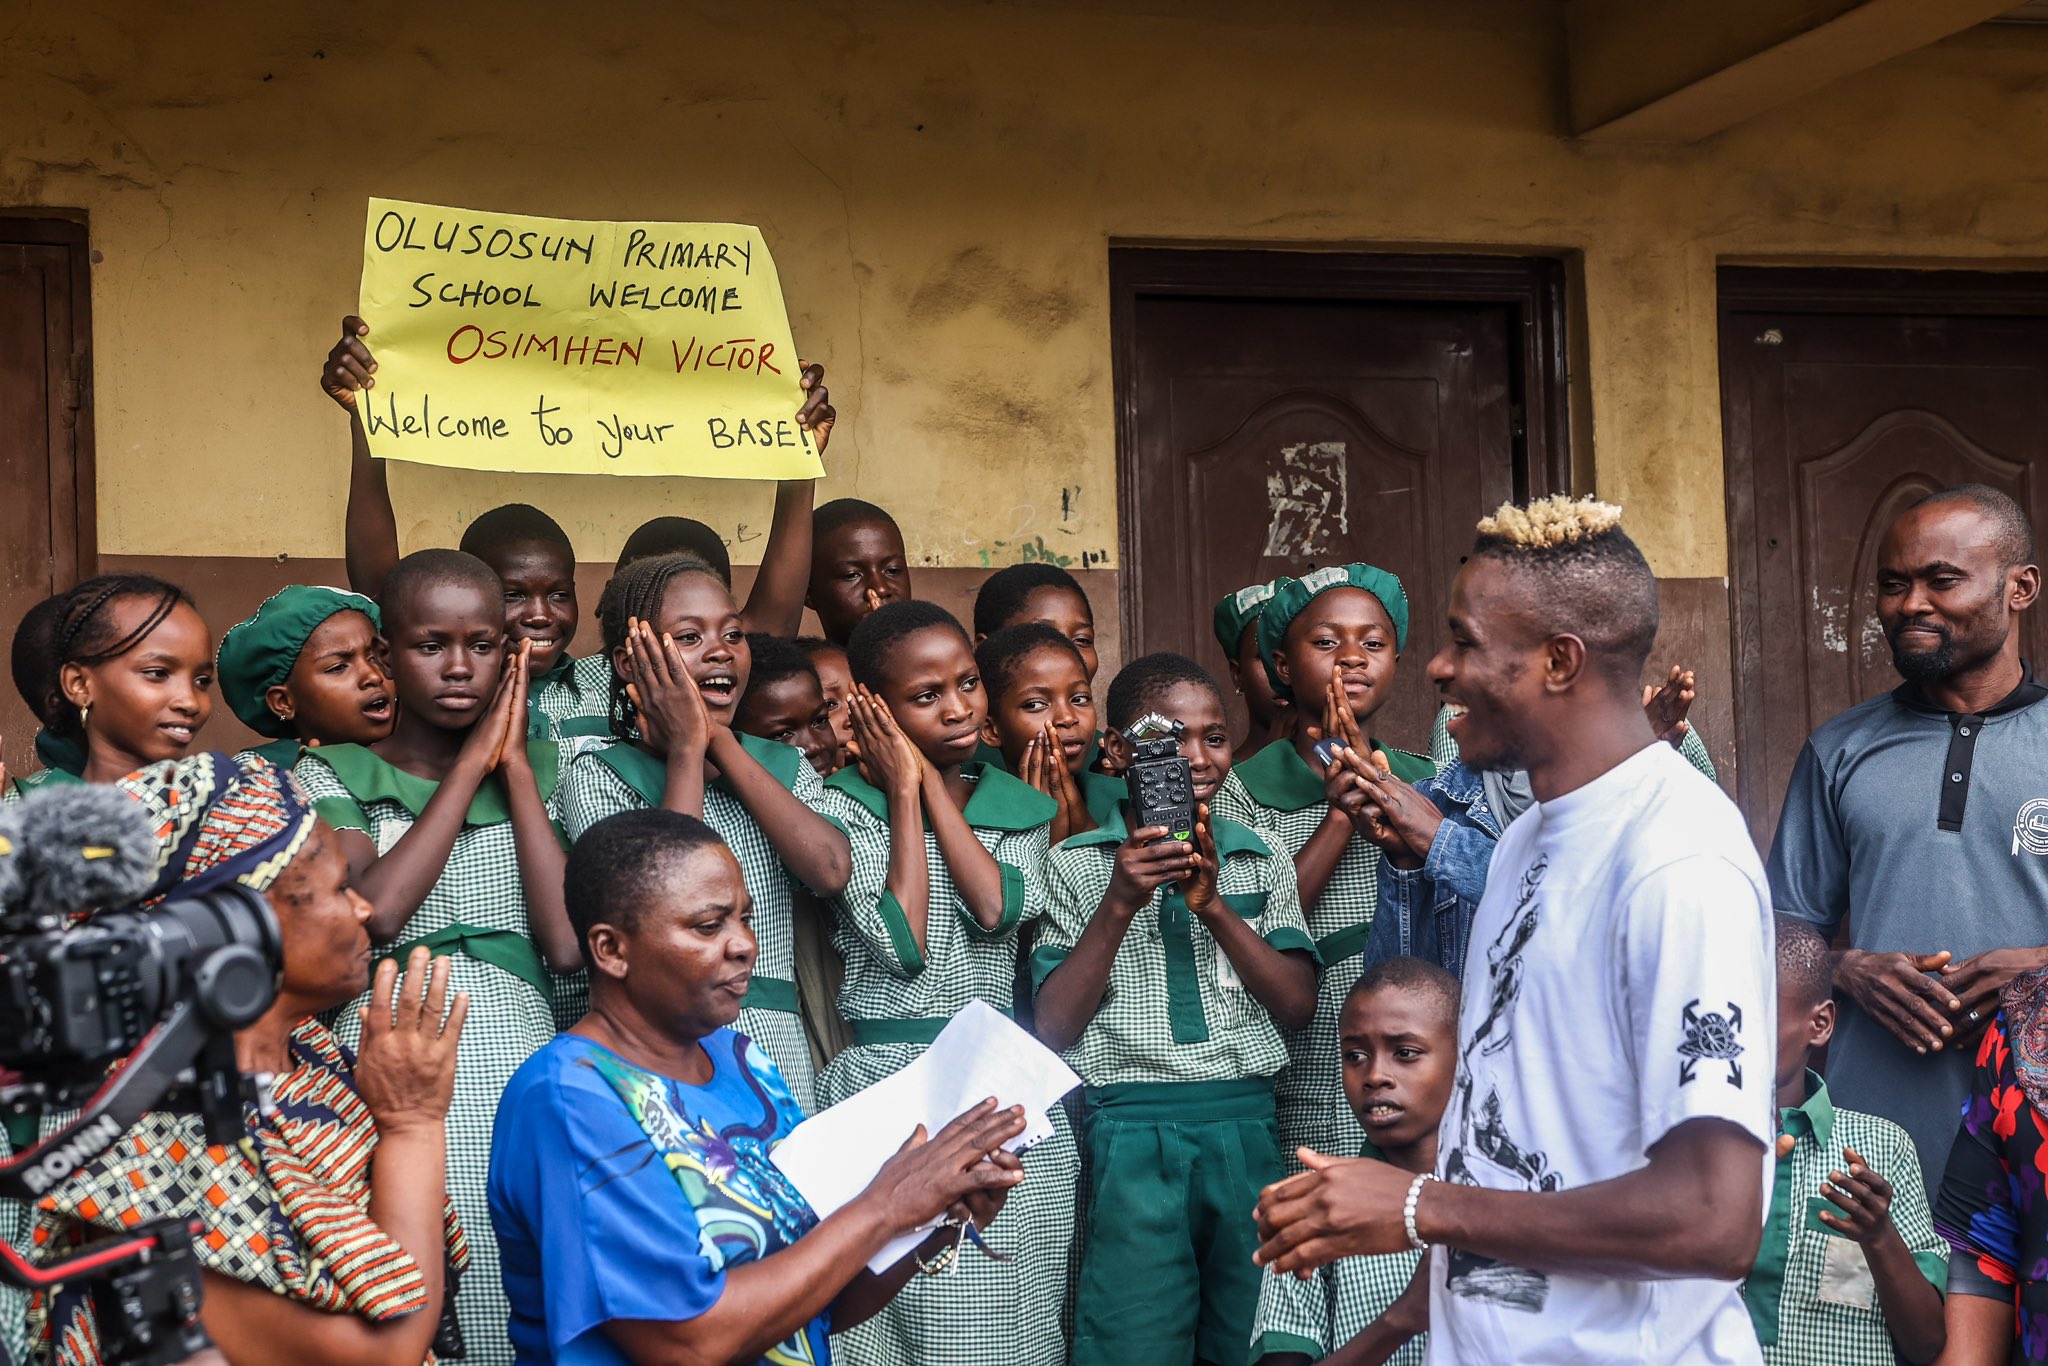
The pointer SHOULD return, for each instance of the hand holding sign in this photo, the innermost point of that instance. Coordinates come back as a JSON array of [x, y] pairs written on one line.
[[542, 345]]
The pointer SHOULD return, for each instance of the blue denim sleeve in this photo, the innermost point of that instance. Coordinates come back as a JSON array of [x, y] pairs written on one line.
[[1459, 857]]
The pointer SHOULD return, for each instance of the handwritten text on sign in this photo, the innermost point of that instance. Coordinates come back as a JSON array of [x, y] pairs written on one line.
[[552, 346]]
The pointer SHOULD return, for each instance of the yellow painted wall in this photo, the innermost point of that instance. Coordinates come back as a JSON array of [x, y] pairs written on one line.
[[939, 183]]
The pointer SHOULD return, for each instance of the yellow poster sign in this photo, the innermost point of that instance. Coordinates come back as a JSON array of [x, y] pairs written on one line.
[[553, 346]]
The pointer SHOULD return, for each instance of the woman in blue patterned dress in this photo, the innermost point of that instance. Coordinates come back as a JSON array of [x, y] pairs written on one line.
[[639, 1212]]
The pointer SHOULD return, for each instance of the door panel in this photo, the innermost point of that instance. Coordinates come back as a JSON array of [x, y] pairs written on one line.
[[1279, 411], [45, 452], [1847, 396], [1291, 435]]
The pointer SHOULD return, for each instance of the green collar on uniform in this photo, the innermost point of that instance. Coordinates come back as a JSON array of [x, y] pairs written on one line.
[[647, 774], [1277, 776], [1231, 838], [563, 670], [283, 753], [369, 778], [48, 777], [57, 752], [1814, 1118], [998, 801], [1763, 1292]]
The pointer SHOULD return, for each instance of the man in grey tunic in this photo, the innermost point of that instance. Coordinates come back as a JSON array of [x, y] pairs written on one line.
[[1922, 818]]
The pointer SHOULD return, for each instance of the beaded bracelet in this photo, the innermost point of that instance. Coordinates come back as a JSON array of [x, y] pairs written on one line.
[[1408, 1211]]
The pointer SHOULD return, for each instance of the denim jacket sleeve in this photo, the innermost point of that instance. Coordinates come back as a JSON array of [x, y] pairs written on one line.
[[1427, 912]]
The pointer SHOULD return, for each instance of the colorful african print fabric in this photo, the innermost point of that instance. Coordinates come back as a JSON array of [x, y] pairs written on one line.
[[624, 1194], [1992, 1203], [1277, 793], [289, 1210], [622, 777], [897, 997], [219, 820], [476, 914]]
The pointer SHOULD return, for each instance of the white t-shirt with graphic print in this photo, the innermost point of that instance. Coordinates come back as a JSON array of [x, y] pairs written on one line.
[[1620, 982]]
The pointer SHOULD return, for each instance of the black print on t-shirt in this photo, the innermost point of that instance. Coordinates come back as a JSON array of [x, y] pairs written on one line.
[[1482, 1133], [1712, 1037]]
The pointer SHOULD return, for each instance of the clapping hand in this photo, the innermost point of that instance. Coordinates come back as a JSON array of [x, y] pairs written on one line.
[[673, 718], [1666, 706], [888, 760]]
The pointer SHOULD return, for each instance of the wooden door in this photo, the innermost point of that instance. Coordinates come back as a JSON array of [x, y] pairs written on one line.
[[46, 488], [1846, 396], [1282, 412]]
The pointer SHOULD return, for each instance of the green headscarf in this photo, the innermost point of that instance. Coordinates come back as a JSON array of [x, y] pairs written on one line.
[[1292, 597], [1239, 610], [257, 655]]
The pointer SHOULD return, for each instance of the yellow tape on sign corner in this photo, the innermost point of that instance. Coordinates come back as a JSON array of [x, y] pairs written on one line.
[[555, 346]]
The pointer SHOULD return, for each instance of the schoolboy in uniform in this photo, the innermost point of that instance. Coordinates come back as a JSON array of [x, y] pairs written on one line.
[[1851, 1268], [1329, 641], [1399, 1033], [1161, 969], [450, 828], [857, 564]]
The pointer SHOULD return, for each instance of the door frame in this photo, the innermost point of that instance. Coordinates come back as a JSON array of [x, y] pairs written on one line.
[[74, 505], [1824, 291], [1531, 287]]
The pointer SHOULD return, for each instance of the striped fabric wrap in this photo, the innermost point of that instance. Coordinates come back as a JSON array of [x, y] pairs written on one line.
[[287, 1209]]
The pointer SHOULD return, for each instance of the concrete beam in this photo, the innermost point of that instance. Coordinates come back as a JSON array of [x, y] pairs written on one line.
[[1679, 71]]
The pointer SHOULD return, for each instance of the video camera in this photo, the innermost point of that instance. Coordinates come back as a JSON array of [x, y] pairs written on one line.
[[88, 980], [1161, 781]]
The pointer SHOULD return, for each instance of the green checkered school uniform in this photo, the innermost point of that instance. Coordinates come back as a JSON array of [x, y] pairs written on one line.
[[574, 698], [1276, 791], [476, 914], [623, 777], [20, 785], [1810, 1293], [1177, 1115], [17, 1222], [896, 999], [1317, 1316]]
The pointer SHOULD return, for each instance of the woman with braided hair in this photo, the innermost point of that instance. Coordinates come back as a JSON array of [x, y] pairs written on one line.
[[129, 677]]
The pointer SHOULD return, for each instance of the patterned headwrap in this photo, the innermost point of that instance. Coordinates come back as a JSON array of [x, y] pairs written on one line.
[[1292, 596], [1239, 610], [219, 819], [257, 654]]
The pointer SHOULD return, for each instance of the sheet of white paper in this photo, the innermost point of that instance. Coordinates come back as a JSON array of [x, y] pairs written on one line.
[[832, 1156]]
